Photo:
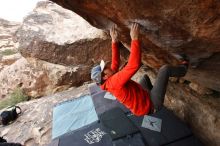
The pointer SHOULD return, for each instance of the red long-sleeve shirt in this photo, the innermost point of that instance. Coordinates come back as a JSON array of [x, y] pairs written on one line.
[[128, 92]]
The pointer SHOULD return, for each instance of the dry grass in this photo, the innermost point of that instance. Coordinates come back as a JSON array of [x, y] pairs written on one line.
[[8, 52], [15, 97]]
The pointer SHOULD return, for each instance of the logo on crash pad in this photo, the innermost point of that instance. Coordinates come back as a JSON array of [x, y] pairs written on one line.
[[152, 123], [94, 136]]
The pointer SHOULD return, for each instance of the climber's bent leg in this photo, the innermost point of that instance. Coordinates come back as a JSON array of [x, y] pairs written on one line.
[[146, 83], [159, 89]]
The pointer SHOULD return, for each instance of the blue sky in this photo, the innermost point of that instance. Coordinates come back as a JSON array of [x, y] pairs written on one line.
[[15, 10]]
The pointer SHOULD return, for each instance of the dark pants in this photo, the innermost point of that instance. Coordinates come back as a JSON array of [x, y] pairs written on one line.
[[158, 91]]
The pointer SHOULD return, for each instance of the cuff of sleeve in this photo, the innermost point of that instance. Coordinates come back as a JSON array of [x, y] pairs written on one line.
[[114, 44], [136, 41]]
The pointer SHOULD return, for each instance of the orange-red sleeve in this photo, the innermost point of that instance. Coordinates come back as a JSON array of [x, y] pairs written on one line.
[[134, 61], [115, 57]]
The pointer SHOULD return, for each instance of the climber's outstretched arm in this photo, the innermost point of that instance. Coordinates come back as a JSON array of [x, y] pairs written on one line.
[[115, 50]]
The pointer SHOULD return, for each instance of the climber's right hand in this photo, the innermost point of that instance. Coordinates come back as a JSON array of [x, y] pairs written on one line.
[[114, 34], [134, 33]]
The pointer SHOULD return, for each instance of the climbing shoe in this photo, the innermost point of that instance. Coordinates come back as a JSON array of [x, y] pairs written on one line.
[[183, 58]]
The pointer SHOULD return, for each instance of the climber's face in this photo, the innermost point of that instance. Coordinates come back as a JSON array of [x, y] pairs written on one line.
[[107, 72]]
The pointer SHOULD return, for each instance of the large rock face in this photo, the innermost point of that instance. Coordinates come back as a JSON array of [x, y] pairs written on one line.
[[56, 35], [8, 48], [192, 27], [59, 49], [38, 78], [201, 113], [7, 30]]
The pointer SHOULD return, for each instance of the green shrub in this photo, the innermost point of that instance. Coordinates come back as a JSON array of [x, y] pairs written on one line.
[[15, 97], [8, 52], [3, 103]]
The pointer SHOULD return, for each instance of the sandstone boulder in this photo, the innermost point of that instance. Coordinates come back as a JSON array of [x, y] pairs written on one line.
[[200, 112], [191, 27], [7, 30], [8, 48], [7, 60], [38, 78], [60, 48], [59, 36]]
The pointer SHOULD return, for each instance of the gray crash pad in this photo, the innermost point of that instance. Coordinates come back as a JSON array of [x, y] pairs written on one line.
[[172, 129]]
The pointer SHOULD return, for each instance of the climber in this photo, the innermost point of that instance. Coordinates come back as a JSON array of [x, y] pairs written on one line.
[[141, 98]]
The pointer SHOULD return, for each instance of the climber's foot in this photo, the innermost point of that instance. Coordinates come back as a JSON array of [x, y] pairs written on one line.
[[183, 58]]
